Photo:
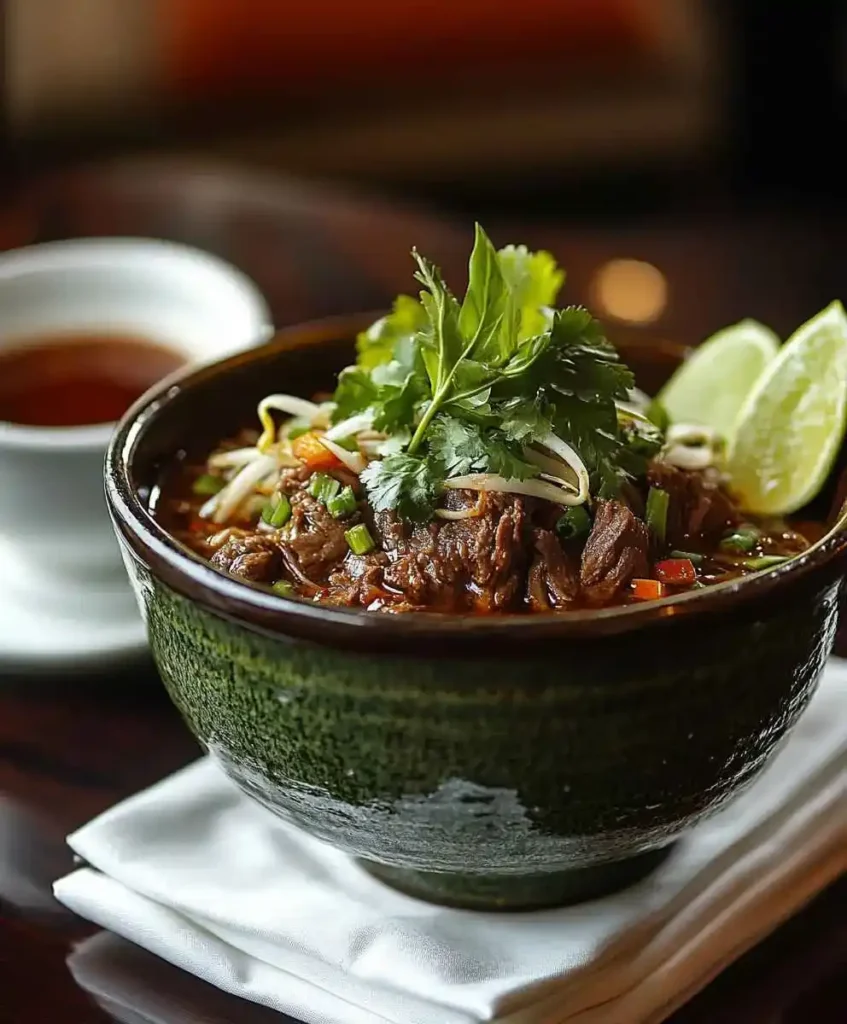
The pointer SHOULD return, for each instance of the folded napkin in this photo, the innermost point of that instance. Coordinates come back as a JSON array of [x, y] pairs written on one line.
[[196, 873]]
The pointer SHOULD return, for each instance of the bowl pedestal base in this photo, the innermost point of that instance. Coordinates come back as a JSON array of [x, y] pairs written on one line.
[[514, 892]]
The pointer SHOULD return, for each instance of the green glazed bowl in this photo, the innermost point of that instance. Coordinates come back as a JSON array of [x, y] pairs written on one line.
[[487, 762]]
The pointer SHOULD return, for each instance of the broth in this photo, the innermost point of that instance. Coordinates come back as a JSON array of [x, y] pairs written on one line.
[[77, 380], [304, 555]]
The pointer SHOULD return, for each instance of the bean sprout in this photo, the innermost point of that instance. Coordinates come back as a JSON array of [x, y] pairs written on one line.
[[568, 455], [543, 489], [685, 457], [352, 460], [353, 425], [458, 513], [554, 467], [691, 434], [290, 404], [223, 504]]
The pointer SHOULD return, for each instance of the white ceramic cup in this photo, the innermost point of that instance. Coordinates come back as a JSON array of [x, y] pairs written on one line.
[[54, 530]]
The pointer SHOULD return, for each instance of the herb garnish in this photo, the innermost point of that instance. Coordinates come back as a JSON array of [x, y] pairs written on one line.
[[464, 388]]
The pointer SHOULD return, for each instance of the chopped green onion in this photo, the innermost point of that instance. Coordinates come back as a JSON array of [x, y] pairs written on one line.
[[658, 415], [763, 562], [574, 523], [359, 539], [657, 512], [692, 556], [295, 432], [742, 540], [323, 487], [277, 511], [349, 443], [283, 588], [342, 504], [208, 484]]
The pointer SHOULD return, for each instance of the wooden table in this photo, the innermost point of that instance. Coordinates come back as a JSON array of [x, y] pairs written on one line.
[[70, 747]]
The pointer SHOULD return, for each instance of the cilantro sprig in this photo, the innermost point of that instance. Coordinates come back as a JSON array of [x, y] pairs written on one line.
[[464, 387]]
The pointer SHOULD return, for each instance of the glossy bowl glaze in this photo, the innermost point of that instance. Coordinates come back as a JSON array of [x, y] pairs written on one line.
[[496, 762]]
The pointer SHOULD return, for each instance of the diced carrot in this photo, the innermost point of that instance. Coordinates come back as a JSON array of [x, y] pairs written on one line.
[[647, 590], [309, 450], [679, 572]]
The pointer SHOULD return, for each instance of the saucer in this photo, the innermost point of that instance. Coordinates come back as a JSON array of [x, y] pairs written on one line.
[[92, 625]]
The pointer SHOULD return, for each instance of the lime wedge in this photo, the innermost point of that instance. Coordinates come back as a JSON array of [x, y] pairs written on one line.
[[791, 426], [712, 384]]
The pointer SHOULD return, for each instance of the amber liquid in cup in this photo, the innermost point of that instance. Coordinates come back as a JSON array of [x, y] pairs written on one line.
[[78, 380]]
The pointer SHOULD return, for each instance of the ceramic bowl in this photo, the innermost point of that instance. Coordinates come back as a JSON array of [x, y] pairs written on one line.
[[487, 762]]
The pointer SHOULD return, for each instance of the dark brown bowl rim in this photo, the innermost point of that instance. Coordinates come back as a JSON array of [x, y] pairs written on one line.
[[258, 607]]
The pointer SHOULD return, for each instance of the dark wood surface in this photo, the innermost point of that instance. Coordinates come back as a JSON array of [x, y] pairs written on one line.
[[70, 747]]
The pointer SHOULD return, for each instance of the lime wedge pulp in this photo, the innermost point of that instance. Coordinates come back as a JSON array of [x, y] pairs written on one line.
[[791, 426], [711, 386]]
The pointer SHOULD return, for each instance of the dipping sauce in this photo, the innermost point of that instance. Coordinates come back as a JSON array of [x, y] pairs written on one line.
[[72, 380]]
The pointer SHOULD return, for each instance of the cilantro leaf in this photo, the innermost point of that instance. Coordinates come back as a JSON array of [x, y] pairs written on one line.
[[472, 386], [584, 363], [612, 453], [392, 373], [481, 318], [457, 446], [468, 349], [524, 419], [534, 280], [571, 358], [445, 347], [354, 393], [406, 483], [389, 337], [591, 428], [506, 460], [394, 405], [394, 444], [462, 447], [387, 358], [574, 384], [462, 387], [526, 355]]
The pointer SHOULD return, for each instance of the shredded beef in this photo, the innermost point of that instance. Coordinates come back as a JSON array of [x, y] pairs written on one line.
[[553, 580], [699, 507], [313, 538], [414, 570], [359, 581], [478, 562], [297, 477], [615, 552], [293, 480], [252, 557], [506, 556]]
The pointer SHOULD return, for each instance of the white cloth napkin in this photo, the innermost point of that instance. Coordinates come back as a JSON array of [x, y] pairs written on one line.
[[196, 873]]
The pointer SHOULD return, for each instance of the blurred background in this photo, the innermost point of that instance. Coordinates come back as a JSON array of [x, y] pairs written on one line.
[[632, 127]]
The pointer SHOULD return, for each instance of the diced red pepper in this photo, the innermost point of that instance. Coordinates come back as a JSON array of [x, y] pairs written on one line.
[[647, 590], [679, 572], [309, 450]]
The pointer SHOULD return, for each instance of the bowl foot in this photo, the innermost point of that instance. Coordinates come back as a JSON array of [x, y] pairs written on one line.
[[519, 892]]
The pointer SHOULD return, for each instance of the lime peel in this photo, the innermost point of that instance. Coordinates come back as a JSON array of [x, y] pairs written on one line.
[[792, 423], [711, 386]]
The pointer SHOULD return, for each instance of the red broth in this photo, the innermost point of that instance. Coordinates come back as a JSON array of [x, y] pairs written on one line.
[[76, 380]]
